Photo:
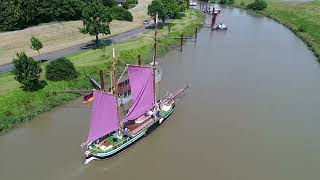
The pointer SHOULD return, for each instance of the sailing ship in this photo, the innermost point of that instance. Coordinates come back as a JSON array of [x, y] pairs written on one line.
[[112, 131]]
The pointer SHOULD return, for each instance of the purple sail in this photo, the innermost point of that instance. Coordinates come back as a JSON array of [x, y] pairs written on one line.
[[141, 83], [104, 116]]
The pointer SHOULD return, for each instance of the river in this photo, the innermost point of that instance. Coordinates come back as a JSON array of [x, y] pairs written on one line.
[[252, 113]]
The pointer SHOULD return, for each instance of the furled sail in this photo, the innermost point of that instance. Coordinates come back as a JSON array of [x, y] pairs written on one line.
[[141, 83], [104, 115]]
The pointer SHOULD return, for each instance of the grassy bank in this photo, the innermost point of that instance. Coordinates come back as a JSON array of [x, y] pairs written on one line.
[[301, 18], [18, 106]]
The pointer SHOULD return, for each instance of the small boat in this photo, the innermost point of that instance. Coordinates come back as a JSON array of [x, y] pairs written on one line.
[[192, 3], [221, 26]]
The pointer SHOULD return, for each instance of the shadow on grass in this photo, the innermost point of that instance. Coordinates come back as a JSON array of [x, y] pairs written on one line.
[[41, 85]]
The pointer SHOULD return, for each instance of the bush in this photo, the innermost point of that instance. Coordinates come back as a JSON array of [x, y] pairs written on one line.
[[27, 71], [61, 69], [302, 28], [257, 5], [120, 13]]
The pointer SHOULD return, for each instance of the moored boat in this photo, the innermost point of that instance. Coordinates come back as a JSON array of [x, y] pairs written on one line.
[[192, 3]]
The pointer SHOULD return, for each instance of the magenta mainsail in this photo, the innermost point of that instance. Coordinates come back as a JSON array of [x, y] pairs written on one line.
[[104, 116], [141, 83]]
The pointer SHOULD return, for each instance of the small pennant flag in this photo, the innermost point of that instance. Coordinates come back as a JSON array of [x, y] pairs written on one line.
[[88, 98]]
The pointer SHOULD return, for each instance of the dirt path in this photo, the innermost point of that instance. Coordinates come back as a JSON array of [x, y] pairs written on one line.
[[61, 35]]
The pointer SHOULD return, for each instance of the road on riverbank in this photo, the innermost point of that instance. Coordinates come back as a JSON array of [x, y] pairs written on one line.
[[60, 53]]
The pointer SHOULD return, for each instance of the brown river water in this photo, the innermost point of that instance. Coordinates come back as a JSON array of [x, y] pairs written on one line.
[[252, 113]]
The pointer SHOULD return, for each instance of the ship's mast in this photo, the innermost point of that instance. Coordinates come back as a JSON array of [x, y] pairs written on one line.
[[154, 61], [114, 87]]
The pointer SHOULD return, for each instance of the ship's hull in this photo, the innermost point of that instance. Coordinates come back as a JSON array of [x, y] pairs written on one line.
[[130, 141]]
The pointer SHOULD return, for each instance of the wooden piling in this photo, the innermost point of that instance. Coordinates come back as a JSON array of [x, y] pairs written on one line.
[[139, 60], [101, 80], [196, 34], [181, 42], [213, 21]]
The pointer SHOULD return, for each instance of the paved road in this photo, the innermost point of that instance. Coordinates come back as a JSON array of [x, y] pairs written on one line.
[[60, 53]]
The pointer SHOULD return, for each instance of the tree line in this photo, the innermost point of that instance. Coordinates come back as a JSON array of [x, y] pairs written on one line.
[[167, 8], [19, 14]]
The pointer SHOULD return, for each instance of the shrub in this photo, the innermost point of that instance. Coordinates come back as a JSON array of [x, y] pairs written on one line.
[[257, 5], [61, 69], [302, 28], [27, 71], [120, 13]]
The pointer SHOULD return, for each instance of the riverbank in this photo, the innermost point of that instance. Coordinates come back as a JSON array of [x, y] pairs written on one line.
[[301, 18], [18, 106]]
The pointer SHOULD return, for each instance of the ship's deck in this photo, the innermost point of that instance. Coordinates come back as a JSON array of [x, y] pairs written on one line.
[[137, 127]]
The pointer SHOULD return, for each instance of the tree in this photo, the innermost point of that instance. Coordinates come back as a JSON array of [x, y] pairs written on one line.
[[171, 7], [27, 71], [120, 13], [155, 8], [10, 15], [96, 19], [36, 44], [109, 3], [125, 5]]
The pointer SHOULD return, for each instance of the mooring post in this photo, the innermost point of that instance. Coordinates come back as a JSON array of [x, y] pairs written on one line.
[[181, 42], [139, 60], [213, 21], [196, 34], [101, 80]]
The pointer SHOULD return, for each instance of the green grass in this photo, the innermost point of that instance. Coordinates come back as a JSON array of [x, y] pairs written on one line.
[[301, 18], [18, 106]]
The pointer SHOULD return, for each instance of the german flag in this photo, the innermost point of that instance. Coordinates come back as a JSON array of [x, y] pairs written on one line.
[[88, 98]]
